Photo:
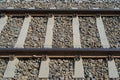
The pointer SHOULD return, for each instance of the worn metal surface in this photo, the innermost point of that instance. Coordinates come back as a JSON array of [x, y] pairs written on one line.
[[58, 12], [59, 52]]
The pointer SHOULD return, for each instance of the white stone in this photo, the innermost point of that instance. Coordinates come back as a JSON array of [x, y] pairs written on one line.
[[23, 33], [101, 30], [49, 33]]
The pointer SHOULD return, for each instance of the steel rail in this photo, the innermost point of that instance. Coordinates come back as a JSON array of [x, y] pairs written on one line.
[[60, 52], [59, 12]]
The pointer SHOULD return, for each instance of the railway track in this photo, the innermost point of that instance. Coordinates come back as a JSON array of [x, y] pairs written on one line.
[[82, 41]]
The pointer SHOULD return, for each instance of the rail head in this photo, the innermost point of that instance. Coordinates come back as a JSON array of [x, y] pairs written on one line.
[[60, 52], [57, 12]]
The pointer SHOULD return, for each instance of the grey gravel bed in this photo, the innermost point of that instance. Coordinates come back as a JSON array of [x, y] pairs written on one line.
[[61, 69], [9, 34], [95, 69], [3, 65], [36, 33], [27, 69], [62, 32], [112, 27], [68, 5], [89, 33]]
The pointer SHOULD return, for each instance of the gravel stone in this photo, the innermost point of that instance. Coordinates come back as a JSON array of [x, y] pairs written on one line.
[[3, 65], [112, 27], [62, 33], [60, 69], [36, 33], [95, 68], [9, 35], [61, 5], [89, 33], [27, 69]]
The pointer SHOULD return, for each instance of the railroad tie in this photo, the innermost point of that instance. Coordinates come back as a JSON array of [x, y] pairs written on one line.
[[44, 69], [76, 33], [23, 33], [78, 66], [3, 21], [101, 30], [49, 33], [10, 70], [112, 69], [78, 69]]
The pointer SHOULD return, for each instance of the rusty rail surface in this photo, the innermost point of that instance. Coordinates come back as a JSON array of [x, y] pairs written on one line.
[[60, 52], [61, 12]]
